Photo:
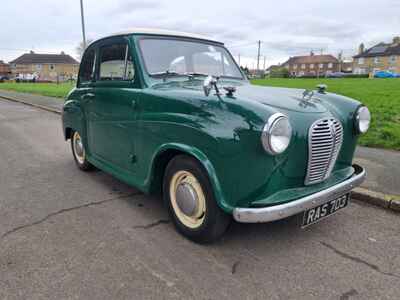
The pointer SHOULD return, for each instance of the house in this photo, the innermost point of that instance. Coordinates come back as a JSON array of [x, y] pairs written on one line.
[[4, 69], [312, 65], [346, 67], [48, 67], [381, 57]]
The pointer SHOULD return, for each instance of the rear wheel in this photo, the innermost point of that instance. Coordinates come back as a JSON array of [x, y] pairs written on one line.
[[191, 203], [78, 151]]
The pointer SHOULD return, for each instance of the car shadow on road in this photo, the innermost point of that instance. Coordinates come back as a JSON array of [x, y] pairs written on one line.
[[152, 209]]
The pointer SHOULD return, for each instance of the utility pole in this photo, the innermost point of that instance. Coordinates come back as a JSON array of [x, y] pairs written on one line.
[[83, 26], [258, 57]]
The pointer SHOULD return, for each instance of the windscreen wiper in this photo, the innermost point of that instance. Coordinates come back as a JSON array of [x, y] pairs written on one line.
[[167, 73], [195, 74]]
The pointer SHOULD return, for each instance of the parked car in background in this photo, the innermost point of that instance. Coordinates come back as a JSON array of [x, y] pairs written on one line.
[[4, 78], [26, 77], [186, 122], [336, 75], [385, 74]]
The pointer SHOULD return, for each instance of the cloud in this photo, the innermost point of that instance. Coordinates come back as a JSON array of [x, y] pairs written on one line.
[[286, 27], [133, 7]]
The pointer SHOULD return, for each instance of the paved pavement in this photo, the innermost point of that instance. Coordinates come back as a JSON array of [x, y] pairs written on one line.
[[51, 102], [66, 234], [383, 169]]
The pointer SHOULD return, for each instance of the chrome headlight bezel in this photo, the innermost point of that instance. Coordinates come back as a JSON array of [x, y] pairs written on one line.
[[269, 139], [362, 119]]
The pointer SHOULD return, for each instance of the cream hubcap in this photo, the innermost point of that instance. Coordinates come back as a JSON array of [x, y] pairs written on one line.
[[187, 199], [79, 150]]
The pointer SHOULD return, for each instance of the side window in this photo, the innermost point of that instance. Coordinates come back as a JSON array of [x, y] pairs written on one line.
[[87, 66], [116, 62]]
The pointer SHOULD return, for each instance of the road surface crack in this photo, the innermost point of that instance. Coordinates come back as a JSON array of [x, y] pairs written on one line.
[[234, 266], [347, 295], [358, 260], [151, 225], [62, 211]]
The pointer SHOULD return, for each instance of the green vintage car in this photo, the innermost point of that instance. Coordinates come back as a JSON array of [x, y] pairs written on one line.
[[172, 113]]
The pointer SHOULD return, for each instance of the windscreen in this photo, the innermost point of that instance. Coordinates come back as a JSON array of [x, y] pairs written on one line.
[[185, 57]]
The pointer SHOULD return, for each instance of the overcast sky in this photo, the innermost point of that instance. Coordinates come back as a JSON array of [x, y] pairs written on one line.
[[285, 27]]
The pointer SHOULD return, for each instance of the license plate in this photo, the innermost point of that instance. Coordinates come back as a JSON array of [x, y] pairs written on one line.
[[315, 214]]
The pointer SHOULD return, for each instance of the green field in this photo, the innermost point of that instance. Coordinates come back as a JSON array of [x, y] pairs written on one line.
[[46, 89], [382, 96]]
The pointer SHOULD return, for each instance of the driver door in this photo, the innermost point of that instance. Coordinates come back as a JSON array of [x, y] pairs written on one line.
[[112, 126]]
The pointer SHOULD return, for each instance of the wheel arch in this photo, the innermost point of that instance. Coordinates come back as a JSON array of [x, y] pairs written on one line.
[[72, 118], [167, 152]]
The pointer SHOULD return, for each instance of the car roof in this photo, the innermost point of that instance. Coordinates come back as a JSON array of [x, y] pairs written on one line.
[[162, 32]]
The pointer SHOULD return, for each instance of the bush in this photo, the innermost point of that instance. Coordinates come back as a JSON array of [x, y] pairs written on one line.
[[279, 73], [356, 75]]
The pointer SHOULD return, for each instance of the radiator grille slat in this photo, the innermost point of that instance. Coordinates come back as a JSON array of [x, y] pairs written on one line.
[[324, 142]]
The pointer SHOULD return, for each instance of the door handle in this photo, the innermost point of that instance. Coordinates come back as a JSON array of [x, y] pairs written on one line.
[[133, 104]]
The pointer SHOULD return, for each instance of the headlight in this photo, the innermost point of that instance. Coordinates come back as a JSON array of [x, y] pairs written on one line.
[[363, 119], [276, 134]]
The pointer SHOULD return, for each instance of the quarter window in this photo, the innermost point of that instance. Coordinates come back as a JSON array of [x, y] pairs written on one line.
[[116, 62], [87, 67]]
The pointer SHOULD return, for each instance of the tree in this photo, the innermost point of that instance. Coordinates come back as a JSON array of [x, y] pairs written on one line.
[[79, 49]]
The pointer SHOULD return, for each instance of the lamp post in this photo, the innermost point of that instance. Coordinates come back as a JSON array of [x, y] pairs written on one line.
[[83, 26]]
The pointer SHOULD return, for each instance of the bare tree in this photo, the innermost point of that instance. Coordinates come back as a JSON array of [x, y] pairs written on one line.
[[79, 49]]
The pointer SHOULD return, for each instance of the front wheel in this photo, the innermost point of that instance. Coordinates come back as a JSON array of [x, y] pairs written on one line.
[[78, 151], [190, 200]]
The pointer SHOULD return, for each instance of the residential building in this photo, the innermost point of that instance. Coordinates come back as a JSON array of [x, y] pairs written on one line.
[[312, 65], [346, 67], [381, 57], [48, 67], [4, 69]]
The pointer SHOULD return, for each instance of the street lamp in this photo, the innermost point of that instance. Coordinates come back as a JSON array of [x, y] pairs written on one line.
[[83, 26]]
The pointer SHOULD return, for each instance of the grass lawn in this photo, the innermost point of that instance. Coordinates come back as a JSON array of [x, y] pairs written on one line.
[[382, 96], [46, 89]]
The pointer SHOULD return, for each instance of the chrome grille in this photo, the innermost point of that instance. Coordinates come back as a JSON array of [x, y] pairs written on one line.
[[325, 138]]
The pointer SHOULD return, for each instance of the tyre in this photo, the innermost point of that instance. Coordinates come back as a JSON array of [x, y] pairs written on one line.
[[190, 199], [78, 151]]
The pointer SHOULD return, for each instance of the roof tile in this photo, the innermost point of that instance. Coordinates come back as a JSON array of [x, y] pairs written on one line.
[[34, 58]]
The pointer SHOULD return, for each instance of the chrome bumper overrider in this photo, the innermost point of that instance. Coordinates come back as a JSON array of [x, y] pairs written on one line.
[[281, 211]]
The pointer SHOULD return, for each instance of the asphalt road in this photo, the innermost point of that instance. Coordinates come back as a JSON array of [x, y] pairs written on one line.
[[66, 234]]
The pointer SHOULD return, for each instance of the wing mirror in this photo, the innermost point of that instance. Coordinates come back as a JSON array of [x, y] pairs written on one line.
[[209, 83]]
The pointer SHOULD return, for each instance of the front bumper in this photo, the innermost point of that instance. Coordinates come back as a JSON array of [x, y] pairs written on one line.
[[277, 212]]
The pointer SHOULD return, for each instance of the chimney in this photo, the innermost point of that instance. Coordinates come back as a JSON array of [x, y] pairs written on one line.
[[361, 48], [396, 40], [311, 53], [62, 53], [31, 52]]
